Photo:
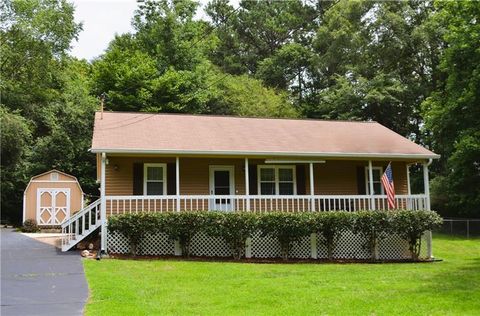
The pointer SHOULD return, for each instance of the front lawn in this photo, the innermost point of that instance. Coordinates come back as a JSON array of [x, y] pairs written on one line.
[[129, 287]]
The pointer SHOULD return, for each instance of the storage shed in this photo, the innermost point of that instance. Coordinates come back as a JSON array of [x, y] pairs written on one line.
[[52, 197]]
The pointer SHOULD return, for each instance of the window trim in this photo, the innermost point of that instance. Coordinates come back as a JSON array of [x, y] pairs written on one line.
[[367, 185], [277, 178], [164, 180]]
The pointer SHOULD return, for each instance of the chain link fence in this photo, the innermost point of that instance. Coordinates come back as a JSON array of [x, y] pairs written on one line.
[[460, 227]]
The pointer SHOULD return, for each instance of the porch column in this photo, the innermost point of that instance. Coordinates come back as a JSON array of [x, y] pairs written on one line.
[[426, 185], [370, 180], [247, 184], [103, 206], [177, 182], [312, 188], [409, 192]]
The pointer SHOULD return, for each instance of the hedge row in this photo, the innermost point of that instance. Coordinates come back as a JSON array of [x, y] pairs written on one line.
[[287, 228]]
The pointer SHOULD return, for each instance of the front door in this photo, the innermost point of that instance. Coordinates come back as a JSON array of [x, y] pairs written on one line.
[[222, 184]]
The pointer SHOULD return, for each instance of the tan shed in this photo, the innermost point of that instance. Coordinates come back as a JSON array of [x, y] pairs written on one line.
[[52, 197]]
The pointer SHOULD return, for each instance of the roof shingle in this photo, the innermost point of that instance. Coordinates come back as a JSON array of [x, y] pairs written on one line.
[[122, 132]]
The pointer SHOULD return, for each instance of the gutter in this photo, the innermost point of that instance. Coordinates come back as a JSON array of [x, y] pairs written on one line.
[[266, 153]]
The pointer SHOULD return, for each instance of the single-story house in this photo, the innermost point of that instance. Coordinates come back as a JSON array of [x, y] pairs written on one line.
[[175, 162]]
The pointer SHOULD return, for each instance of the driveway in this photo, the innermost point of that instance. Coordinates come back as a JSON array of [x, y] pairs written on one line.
[[38, 279]]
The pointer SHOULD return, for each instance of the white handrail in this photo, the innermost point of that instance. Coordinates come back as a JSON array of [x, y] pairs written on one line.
[[119, 204]]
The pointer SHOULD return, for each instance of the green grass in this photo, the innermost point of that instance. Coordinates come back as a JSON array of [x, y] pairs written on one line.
[[451, 287]]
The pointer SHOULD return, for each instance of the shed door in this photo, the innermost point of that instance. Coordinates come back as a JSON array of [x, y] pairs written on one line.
[[53, 206]]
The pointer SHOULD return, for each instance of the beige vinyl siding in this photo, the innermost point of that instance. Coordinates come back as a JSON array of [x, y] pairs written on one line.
[[334, 177], [44, 182]]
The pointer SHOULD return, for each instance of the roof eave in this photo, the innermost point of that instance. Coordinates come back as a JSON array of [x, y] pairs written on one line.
[[265, 153]]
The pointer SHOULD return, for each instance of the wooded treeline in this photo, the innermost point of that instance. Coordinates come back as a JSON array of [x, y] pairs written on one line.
[[413, 66]]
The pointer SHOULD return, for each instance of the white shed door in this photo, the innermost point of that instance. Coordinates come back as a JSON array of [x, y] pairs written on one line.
[[53, 206]]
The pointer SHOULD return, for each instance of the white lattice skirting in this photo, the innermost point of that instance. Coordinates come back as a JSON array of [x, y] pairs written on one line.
[[350, 246]]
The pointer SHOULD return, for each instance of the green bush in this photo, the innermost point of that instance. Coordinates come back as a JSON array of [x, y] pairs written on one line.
[[234, 228], [287, 228], [134, 227], [331, 225], [372, 226], [30, 226], [410, 225], [182, 226]]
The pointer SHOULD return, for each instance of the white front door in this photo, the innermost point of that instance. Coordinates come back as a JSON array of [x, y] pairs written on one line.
[[222, 183], [53, 206]]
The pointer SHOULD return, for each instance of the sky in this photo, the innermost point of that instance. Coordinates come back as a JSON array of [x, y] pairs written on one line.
[[102, 19]]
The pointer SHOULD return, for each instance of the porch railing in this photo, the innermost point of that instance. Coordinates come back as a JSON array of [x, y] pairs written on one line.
[[285, 203]]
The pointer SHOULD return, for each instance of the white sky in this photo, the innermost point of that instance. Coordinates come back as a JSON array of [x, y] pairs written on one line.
[[102, 19]]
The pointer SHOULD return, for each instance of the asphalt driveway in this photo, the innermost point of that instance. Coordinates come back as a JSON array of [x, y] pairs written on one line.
[[38, 279]]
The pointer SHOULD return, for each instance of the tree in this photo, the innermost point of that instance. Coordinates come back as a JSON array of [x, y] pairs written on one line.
[[452, 114], [377, 56], [16, 136]]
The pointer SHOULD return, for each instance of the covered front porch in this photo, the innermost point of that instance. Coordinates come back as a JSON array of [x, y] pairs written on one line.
[[132, 184]]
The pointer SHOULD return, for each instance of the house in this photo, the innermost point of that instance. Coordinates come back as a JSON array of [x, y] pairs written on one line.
[[51, 197], [175, 162]]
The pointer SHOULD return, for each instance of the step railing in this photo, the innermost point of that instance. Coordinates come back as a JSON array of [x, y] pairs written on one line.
[[80, 225]]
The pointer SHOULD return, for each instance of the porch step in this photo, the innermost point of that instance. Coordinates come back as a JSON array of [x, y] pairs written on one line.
[[81, 225]]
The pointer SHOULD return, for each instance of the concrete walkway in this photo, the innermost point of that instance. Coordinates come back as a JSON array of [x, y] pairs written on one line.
[[38, 279]]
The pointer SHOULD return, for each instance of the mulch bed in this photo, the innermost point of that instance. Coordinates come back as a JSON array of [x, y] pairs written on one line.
[[259, 260]]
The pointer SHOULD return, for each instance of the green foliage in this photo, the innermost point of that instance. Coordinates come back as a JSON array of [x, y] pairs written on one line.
[[287, 228], [30, 226], [452, 114], [410, 225], [373, 226], [330, 226], [183, 226], [234, 228], [134, 227], [16, 136]]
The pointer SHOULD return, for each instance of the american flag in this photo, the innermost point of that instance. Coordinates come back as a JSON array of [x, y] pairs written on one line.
[[387, 181]]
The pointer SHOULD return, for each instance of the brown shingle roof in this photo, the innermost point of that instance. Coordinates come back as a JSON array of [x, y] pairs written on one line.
[[121, 132]]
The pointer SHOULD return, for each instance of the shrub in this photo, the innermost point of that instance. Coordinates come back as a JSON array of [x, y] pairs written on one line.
[[287, 228], [331, 225], [134, 227], [182, 226], [410, 225], [372, 225], [234, 228], [30, 226]]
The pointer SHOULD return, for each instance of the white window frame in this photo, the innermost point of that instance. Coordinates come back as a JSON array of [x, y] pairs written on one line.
[[145, 174], [277, 178], [367, 180]]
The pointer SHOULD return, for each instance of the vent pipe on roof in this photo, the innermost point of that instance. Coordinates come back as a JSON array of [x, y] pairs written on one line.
[[102, 100]]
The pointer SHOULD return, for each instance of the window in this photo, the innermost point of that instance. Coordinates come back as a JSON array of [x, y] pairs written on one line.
[[377, 183], [154, 179], [276, 180]]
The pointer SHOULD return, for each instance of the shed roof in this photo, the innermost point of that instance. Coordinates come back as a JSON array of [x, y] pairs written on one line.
[[122, 132]]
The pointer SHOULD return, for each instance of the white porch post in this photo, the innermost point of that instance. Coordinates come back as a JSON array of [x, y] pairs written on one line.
[[370, 181], [426, 184], [247, 185], [409, 191], [103, 206], [312, 188], [313, 237], [177, 182]]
